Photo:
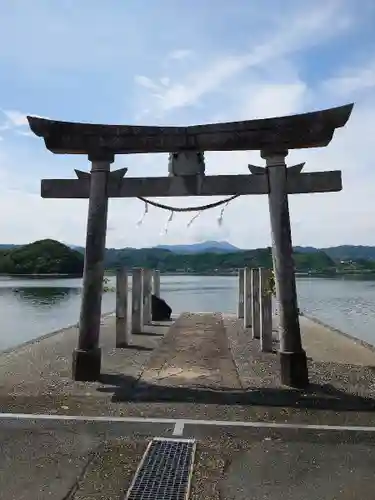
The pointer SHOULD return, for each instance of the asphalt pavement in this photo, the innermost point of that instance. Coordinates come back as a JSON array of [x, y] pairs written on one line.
[[51, 458], [203, 378]]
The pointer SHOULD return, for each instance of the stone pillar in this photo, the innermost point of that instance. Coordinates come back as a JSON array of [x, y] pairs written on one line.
[[137, 319], [147, 291], [255, 304], [156, 282], [87, 357], [123, 338], [241, 295], [247, 320], [265, 311], [292, 357]]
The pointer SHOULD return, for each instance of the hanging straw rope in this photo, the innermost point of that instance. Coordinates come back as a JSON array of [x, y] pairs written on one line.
[[189, 209], [172, 210]]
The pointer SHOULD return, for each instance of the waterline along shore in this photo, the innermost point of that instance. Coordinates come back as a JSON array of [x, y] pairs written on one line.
[[46, 336], [335, 331]]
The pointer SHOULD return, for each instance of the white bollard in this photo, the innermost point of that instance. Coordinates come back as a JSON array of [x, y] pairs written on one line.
[[147, 291], [156, 282], [123, 337], [137, 318], [265, 311], [241, 295], [255, 305], [247, 298]]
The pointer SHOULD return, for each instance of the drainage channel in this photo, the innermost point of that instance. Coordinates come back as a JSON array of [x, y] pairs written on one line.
[[165, 471]]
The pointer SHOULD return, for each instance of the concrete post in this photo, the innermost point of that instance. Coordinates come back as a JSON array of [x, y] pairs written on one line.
[[241, 295], [137, 318], [255, 304], [247, 320], [123, 338], [156, 282], [265, 311], [147, 291], [87, 357], [293, 358]]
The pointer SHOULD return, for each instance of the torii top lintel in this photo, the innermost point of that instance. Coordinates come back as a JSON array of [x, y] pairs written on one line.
[[306, 130]]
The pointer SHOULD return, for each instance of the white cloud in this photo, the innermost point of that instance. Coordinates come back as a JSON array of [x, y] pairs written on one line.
[[15, 121], [16, 118], [57, 219], [180, 54], [165, 81], [353, 80], [25, 133], [273, 99], [295, 33], [146, 82]]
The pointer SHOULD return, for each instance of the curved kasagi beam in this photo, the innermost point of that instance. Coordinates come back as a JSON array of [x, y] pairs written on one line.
[[306, 130]]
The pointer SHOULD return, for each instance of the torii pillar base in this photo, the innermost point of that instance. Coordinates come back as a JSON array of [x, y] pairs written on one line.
[[86, 365], [293, 369]]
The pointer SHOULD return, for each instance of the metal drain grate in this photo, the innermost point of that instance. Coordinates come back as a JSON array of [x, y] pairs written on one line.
[[165, 471]]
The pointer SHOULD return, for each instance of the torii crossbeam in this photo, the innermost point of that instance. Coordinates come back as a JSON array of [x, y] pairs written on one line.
[[273, 137], [213, 185]]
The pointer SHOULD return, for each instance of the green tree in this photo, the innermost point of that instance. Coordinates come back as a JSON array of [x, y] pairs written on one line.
[[42, 257]]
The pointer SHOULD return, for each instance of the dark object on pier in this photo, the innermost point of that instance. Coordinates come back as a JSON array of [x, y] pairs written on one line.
[[160, 310]]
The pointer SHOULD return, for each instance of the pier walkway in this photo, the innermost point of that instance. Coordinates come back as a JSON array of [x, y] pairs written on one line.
[[201, 377]]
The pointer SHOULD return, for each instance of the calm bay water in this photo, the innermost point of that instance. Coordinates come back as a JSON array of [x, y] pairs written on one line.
[[33, 307]]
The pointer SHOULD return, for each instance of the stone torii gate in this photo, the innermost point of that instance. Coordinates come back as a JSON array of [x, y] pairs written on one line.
[[273, 137]]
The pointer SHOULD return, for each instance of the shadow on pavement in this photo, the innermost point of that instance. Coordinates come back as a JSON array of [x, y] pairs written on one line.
[[148, 334], [136, 347], [323, 397]]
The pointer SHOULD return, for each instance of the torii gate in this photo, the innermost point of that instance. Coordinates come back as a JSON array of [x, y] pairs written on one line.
[[273, 137]]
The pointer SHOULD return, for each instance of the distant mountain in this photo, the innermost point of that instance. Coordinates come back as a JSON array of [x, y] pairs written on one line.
[[207, 246], [306, 249], [343, 252], [52, 257], [350, 252], [77, 248], [5, 246]]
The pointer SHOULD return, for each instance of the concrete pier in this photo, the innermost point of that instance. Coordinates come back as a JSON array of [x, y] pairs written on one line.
[[42, 367], [203, 377]]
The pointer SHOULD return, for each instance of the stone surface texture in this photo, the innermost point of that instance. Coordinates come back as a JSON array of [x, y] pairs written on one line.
[[199, 366]]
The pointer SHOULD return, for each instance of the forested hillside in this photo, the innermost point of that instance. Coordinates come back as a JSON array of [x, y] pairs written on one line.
[[41, 257], [52, 257]]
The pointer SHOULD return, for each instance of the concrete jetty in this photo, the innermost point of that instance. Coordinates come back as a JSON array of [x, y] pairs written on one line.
[[201, 376]]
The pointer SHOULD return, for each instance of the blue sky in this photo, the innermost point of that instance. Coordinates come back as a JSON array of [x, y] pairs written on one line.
[[184, 62]]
